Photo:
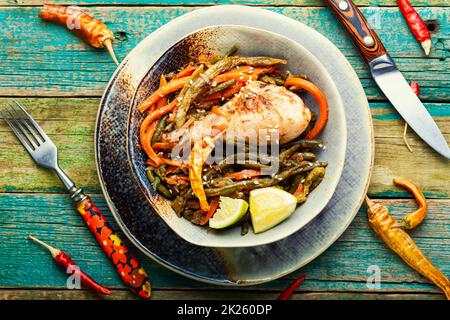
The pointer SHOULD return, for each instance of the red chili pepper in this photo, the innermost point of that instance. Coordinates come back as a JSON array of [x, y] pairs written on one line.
[[63, 259], [416, 24], [415, 87], [287, 293]]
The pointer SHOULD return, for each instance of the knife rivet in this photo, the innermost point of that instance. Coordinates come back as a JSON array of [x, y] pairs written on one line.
[[368, 40], [343, 5]]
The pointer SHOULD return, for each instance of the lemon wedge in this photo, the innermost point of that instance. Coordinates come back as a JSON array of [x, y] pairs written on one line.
[[270, 206]]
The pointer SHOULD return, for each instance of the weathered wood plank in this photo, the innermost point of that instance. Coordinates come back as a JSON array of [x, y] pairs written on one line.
[[60, 65], [70, 122], [223, 294], [213, 2], [342, 268]]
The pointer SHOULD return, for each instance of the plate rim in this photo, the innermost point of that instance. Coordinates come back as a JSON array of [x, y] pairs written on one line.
[[228, 282]]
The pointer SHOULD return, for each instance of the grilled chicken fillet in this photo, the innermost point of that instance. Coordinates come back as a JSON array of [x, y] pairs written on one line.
[[257, 111]]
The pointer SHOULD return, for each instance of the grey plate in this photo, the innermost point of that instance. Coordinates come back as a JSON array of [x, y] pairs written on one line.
[[251, 42], [244, 266]]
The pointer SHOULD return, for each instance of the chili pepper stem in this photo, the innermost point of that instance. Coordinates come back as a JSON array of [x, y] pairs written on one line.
[[426, 45], [404, 138], [108, 45], [397, 225], [54, 252]]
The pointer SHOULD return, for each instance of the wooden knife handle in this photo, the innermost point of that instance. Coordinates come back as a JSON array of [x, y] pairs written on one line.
[[126, 264], [363, 36]]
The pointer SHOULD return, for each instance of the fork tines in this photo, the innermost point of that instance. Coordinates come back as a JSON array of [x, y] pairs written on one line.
[[23, 125]]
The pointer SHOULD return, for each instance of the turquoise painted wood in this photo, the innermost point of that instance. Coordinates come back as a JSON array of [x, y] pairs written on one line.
[[44, 60], [435, 3], [343, 267], [60, 65]]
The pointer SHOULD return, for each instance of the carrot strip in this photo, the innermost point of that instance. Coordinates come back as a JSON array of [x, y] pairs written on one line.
[[171, 86], [212, 209], [186, 72], [146, 135], [219, 112], [299, 190], [244, 174], [164, 100], [321, 100], [172, 163], [162, 145], [160, 112], [177, 180], [227, 93]]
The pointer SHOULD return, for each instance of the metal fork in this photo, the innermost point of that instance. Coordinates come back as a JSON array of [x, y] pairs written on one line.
[[44, 153]]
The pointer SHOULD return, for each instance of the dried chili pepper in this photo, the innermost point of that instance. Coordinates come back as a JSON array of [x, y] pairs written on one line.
[[289, 291], [415, 88], [403, 245], [63, 260], [413, 219], [416, 24], [87, 27]]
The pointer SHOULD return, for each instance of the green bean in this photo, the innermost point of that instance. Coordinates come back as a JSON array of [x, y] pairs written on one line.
[[195, 87], [267, 79], [316, 174], [232, 51], [286, 154], [221, 86], [257, 61], [296, 181], [308, 156], [249, 159], [162, 122], [244, 228], [262, 182], [272, 80], [179, 203], [305, 143], [162, 189]]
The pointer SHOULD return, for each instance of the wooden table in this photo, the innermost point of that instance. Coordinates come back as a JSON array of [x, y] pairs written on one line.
[[60, 79]]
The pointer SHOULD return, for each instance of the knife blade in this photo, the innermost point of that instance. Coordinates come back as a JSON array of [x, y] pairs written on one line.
[[388, 77]]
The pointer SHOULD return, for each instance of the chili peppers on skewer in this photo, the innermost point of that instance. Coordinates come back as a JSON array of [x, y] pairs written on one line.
[[413, 219], [64, 260], [383, 224], [81, 23], [416, 24]]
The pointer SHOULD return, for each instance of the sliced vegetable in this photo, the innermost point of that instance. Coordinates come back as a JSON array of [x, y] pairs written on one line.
[[197, 158], [146, 135], [230, 211], [244, 174], [212, 209], [270, 206], [172, 86], [321, 100]]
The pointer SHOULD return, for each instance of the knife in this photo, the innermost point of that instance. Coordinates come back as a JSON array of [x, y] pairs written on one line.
[[388, 77]]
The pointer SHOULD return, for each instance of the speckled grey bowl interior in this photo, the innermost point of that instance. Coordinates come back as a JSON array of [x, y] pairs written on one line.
[[251, 42]]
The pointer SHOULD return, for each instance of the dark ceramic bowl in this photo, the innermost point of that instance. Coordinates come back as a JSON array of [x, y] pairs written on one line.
[[251, 42]]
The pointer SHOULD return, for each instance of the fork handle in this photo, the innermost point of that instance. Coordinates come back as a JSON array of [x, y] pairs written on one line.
[[126, 264]]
